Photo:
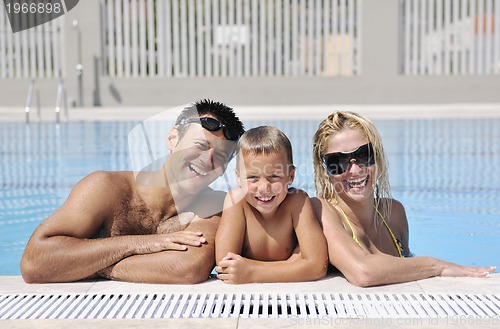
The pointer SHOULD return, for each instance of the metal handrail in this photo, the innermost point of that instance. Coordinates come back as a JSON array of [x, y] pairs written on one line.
[[32, 88], [61, 97]]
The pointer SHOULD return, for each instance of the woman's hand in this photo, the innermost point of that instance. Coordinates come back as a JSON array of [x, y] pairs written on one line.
[[455, 270]]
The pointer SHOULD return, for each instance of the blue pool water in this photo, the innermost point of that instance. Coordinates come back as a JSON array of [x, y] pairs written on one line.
[[446, 172]]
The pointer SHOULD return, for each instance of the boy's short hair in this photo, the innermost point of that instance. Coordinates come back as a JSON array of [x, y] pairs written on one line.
[[224, 114], [264, 140]]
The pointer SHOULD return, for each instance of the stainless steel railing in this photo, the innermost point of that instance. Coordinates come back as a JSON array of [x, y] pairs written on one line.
[[61, 101], [32, 89]]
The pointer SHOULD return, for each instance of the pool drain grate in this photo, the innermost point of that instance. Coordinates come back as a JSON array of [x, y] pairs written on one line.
[[306, 305]]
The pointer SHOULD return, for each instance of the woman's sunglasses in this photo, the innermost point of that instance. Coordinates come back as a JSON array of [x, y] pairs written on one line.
[[212, 124], [338, 163]]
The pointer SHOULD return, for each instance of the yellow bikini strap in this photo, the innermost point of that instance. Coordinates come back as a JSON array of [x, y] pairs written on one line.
[[397, 243], [354, 237]]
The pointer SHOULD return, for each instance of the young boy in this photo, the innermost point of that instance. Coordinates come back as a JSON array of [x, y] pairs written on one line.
[[268, 233]]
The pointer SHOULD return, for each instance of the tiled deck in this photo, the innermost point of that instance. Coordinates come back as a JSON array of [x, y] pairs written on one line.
[[424, 292]]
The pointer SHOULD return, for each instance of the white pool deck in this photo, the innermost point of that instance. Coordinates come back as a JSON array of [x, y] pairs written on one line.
[[333, 285], [319, 112], [397, 296]]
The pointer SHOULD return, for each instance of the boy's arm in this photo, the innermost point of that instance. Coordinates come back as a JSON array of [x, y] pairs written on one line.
[[313, 261], [231, 231], [310, 264]]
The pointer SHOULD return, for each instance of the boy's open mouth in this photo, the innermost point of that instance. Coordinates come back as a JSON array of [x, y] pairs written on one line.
[[264, 199]]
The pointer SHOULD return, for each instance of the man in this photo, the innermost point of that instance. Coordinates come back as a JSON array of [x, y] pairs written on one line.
[[155, 227]]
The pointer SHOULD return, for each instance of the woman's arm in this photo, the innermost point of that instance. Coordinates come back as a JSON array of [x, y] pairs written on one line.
[[362, 268]]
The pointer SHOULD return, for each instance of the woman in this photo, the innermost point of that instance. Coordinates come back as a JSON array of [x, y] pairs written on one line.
[[366, 230]]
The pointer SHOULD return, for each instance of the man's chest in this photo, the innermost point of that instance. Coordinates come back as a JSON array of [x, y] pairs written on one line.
[[137, 219]]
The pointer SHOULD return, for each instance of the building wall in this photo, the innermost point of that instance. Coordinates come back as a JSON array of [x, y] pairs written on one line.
[[380, 80]]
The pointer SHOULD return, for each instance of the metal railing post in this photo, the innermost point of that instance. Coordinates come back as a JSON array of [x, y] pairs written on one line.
[[38, 106], [29, 99], [65, 104], [58, 100]]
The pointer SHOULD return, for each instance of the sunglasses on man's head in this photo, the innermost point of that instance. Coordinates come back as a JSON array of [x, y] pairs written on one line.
[[212, 124], [338, 163]]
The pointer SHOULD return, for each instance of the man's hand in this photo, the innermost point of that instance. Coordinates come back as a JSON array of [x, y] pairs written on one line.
[[155, 243], [170, 241]]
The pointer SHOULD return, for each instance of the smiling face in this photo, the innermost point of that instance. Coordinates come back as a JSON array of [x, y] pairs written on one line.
[[265, 178], [356, 182], [197, 157]]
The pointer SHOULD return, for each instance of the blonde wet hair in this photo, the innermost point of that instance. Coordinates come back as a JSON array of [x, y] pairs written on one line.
[[333, 124]]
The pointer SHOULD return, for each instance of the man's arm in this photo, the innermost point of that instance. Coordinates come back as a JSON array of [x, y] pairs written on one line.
[[62, 249], [189, 266]]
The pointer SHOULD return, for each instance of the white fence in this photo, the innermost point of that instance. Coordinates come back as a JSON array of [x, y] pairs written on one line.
[[238, 38], [33, 53], [158, 52], [233, 38], [451, 37]]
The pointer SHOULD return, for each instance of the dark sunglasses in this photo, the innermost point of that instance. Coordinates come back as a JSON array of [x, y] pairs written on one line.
[[338, 163], [212, 124]]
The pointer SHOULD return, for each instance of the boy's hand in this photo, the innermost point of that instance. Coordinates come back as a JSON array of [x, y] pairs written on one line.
[[234, 269]]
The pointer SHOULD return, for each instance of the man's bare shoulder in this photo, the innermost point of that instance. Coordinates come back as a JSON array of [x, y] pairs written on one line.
[[236, 195], [109, 177], [213, 195], [208, 203], [92, 203], [105, 184]]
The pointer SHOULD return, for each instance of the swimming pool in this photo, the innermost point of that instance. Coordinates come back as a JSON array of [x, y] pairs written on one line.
[[445, 171]]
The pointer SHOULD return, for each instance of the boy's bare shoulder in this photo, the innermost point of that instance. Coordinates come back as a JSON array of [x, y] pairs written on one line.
[[297, 193], [296, 198]]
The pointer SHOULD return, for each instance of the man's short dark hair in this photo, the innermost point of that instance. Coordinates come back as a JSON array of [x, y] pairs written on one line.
[[218, 110]]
